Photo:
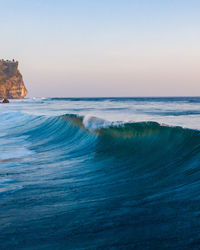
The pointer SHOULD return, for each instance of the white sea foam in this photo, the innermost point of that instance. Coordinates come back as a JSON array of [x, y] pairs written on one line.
[[92, 123]]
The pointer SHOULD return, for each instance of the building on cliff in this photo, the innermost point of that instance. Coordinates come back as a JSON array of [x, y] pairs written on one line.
[[11, 81]]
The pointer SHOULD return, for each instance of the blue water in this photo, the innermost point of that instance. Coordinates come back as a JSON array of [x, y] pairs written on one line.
[[100, 173]]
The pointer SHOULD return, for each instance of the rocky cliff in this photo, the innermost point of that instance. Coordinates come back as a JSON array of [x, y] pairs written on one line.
[[11, 81]]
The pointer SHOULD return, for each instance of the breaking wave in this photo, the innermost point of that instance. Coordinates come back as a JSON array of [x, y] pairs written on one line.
[[134, 180]]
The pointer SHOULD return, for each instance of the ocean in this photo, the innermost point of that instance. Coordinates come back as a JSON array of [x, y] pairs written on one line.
[[100, 173]]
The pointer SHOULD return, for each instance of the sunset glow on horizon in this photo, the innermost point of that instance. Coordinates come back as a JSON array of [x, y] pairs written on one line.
[[104, 48]]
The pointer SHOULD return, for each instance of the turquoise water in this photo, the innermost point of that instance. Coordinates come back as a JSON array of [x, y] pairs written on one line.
[[100, 173]]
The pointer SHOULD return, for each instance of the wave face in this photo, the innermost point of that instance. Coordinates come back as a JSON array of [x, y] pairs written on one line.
[[82, 182]]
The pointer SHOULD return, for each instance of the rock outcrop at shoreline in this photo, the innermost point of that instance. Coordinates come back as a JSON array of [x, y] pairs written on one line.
[[11, 81]]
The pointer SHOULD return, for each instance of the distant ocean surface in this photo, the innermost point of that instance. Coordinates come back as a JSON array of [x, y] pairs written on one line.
[[100, 173]]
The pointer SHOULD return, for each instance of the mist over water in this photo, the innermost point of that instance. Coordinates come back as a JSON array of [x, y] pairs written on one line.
[[100, 173]]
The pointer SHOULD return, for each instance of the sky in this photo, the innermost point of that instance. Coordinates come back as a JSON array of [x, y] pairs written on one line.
[[85, 48]]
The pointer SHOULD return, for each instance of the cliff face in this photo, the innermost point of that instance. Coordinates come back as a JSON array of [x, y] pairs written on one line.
[[11, 81]]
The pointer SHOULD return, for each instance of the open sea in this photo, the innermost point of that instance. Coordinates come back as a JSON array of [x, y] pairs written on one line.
[[100, 173]]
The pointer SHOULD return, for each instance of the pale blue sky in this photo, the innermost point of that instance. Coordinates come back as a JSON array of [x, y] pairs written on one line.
[[104, 48]]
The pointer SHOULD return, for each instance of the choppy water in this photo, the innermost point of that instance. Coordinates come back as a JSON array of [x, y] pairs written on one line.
[[108, 173]]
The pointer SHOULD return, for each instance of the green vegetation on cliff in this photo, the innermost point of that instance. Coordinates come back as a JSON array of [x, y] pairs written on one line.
[[7, 70]]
